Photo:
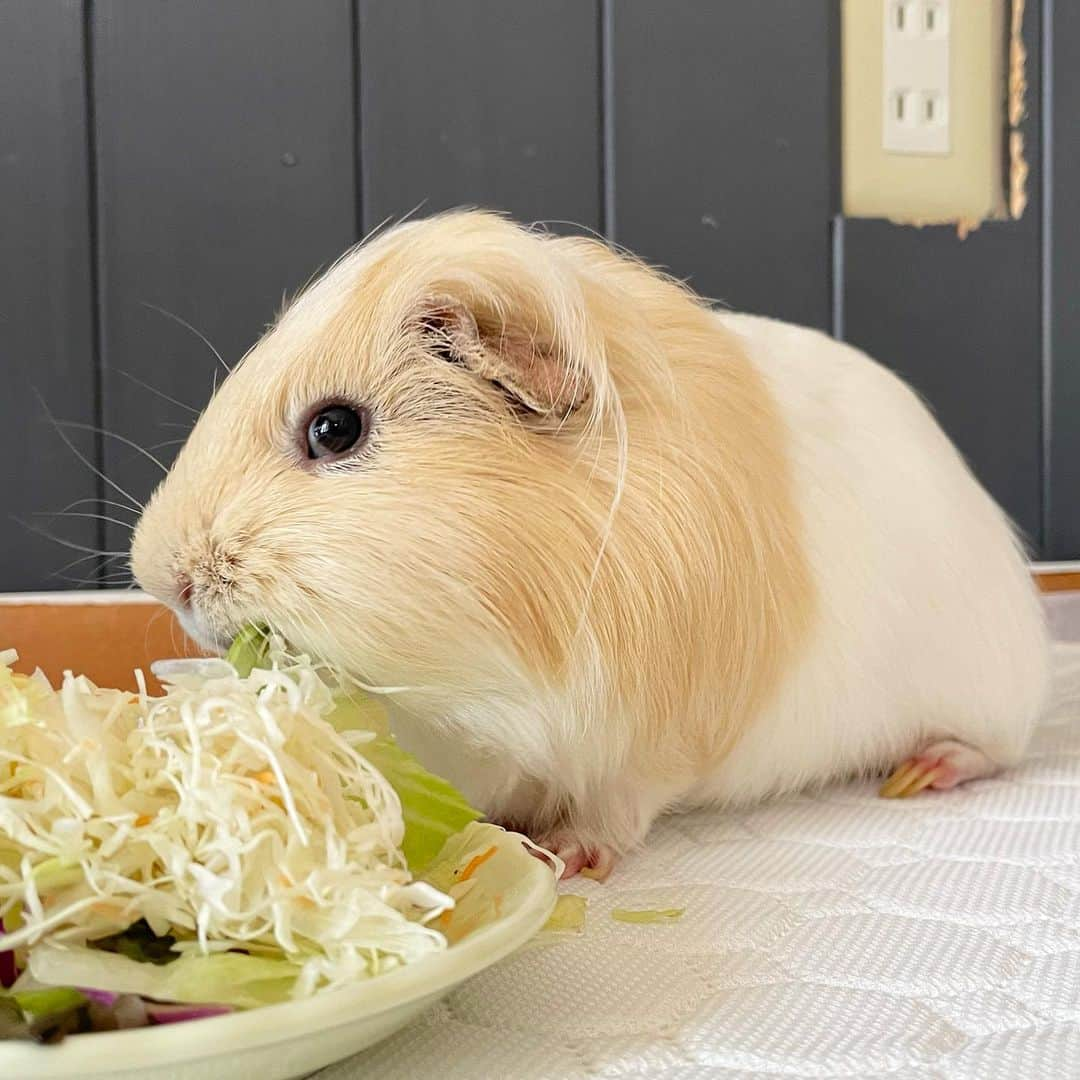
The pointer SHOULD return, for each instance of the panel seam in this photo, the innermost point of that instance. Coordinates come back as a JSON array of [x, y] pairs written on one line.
[[97, 341], [837, 277], [358, 134], [607, 118], [1046, 277], [835, 53]]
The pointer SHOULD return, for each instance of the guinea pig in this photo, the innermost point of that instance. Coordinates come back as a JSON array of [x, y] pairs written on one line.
[[605, 551]]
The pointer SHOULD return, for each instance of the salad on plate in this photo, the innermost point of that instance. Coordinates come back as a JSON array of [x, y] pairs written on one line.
[[250, 836]]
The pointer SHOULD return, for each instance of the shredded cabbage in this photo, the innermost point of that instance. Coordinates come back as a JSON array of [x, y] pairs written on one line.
[[230, 812], [568, 914], [648, 915], [432, 809]]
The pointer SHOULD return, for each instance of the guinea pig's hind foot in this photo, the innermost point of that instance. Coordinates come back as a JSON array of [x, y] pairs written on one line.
[[588, 859], [942, 765]]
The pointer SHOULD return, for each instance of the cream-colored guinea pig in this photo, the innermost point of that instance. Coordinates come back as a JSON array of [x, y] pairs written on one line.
[[605, 550]]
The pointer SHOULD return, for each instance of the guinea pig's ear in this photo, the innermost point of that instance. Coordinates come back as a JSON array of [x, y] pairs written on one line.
[[522, 365]]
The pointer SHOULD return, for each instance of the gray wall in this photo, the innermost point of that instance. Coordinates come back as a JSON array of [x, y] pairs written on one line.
[[203, 157]]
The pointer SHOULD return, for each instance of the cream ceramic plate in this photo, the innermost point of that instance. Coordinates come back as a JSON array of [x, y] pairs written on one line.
[[512, 899]]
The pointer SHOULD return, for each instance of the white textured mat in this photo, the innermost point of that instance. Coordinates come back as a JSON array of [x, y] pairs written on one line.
[[834, 936]]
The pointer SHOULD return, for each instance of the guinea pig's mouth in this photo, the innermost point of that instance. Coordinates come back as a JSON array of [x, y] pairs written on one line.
[[210, 635]]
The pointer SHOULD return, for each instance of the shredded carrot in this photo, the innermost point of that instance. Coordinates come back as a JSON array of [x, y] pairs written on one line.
[[142, 819], [264, 777], [476, 862], [444, 918]]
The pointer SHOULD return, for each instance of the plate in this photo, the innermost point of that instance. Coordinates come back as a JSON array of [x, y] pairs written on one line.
[[511, 900]]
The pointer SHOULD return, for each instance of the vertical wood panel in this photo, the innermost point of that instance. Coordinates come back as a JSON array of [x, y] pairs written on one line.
[[1063, 540], [961, 321], [46, 332], [723, 148], [490, 103], [225, 178]]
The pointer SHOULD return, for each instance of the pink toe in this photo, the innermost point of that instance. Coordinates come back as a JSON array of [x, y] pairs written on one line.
[[955, 764], [947, 777], [595, 861], [574, 860], [600, 864]]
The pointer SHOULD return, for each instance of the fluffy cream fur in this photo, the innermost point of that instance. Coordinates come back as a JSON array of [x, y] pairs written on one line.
[[589, 549]]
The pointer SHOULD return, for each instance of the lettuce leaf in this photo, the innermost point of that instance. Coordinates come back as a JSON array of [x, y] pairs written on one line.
[[221, 978], [648, 915], [568, 914], [45, 1015], [433, 809], [48, 1001], [249, 649]]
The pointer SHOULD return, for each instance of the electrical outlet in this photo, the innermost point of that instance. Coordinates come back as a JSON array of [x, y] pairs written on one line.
[[924, 96], [915, 79]]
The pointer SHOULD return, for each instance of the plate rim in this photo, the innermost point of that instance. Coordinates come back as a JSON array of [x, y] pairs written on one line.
[[167, 1045]]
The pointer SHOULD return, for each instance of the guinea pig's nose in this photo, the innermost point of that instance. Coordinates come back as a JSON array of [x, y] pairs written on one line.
[[184, 587]]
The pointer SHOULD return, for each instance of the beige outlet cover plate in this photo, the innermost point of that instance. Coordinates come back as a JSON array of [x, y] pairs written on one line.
[[966, 184]]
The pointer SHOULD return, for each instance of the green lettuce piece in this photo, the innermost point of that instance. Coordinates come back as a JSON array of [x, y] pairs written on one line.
[[45, 1015], [249, 649], [648, 915], [13, 1024], [568, 914], [228, 978], [50, 1001], [433, 809]]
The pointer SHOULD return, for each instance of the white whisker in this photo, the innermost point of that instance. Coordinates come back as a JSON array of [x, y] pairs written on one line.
[[183, 322], [85, 558], [113, 435], [97, 502], [84, 459], [65, 543], [160, 393], [94, 517]]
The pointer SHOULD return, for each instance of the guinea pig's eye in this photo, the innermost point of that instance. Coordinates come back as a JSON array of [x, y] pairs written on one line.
[[335, 430]]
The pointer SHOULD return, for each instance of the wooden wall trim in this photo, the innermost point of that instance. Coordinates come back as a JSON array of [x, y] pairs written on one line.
[[1060, 581]]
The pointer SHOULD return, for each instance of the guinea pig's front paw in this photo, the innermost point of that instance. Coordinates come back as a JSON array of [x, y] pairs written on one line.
[[579, 856]]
